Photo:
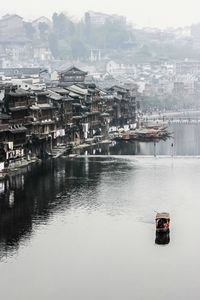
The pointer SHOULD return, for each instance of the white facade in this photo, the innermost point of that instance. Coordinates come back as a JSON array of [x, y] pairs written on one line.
[[115, 68]]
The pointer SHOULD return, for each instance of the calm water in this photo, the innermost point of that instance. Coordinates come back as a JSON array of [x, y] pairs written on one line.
[[83, 229]]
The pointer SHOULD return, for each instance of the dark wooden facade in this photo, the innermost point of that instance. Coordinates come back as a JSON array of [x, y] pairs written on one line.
[[71, 76]]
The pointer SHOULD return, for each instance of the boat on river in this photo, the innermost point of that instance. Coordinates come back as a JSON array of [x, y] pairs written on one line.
[[151, 133], [144, 134], [162, 222]]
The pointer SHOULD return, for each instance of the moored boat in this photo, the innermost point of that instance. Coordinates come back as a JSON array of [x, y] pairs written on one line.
[[162, 222]]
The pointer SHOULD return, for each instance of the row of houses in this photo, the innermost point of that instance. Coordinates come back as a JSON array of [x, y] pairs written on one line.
[[33, 122], [175, 78], [21, 43]]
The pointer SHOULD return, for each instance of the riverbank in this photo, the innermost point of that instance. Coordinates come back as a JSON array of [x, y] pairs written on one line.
[[18, 166], [91, 144]]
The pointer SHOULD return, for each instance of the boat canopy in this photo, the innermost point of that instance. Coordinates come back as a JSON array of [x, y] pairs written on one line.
[[162, 215]]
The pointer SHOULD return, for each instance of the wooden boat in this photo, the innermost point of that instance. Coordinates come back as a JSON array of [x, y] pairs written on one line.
[[72, 155], [162, 238], [162, 222]]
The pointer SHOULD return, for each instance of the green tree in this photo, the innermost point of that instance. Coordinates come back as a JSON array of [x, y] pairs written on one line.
[[44, 30], [53, 44], [29, 29], [62, 25], [78, 49]]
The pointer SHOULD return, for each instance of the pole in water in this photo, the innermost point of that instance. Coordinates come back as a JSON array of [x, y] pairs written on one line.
[[154, 143], [172, 149]]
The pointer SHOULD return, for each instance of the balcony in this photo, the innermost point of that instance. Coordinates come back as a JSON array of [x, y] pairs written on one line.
[[18, 103], [3, 127], [95, 123]]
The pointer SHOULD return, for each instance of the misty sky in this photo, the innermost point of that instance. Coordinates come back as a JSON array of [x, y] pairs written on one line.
[[160, 13]]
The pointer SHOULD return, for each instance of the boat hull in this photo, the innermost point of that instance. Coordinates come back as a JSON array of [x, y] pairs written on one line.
[[164, 230]]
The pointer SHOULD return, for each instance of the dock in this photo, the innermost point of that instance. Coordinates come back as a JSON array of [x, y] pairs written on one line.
[[60, 150]]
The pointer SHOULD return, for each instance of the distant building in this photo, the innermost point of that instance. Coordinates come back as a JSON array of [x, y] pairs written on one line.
[[20, 72], [95, 55], [178, 88], [98, 18], [71, 75], [184, 32], [11, 25], [42, 53], [43, 19], [42, 23], [120, 68], [188, 67]]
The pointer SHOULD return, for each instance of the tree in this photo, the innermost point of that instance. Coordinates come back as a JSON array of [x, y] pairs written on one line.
[[44, 30], [62, 25], [29, 29], [53, 44], [78, 49]]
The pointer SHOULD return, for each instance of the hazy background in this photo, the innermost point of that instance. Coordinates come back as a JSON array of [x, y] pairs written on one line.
[[144, 12]]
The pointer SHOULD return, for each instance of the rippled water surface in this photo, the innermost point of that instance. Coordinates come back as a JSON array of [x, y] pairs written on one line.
[[83, 229]]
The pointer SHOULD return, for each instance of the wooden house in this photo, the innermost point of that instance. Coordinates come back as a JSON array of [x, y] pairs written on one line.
[[71, 76]]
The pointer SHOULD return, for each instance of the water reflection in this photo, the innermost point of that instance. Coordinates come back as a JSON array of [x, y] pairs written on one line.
[[32, 197], [55, 186], [90, 220], [162, 238]]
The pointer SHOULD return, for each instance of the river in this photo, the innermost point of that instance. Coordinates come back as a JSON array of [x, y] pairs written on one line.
[[83, 229], [185, 141]]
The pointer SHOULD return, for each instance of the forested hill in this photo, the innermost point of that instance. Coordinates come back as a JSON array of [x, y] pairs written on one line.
[[115, 38]]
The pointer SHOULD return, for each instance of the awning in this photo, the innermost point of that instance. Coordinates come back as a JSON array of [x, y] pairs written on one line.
[[18, 130], [18, 108], [162, 215]]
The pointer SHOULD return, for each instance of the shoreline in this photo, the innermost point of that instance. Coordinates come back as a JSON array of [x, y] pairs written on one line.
[[18, 166]]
